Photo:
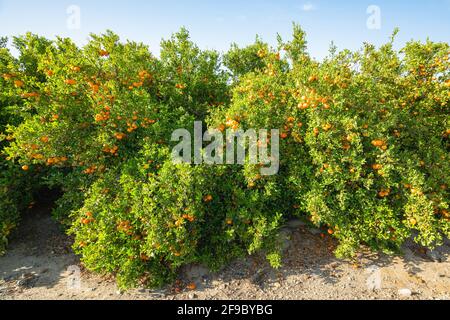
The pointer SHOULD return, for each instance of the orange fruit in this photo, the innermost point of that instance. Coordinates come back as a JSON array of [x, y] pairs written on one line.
[[25, 168], [7, 76], [377, 167], [378, 143], [222, 128], [70, 82], [191, 286], [144, 257], [18, 83], [103, 53], [384, 193], [119, 136], [30, 95]]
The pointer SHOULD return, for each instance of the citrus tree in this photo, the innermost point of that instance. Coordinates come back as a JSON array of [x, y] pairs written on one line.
[[364, 145]]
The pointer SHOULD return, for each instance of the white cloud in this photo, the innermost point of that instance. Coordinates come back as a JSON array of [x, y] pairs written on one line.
[[308, 7]]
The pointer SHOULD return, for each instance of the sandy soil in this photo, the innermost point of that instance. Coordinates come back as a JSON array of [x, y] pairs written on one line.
[[40, 265]]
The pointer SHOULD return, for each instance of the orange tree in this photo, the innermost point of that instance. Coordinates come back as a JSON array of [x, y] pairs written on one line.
[[16, 183], [363, 153], [364, 150], [100, 123]]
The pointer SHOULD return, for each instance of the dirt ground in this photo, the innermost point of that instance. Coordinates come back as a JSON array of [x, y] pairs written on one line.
[[40, 265]]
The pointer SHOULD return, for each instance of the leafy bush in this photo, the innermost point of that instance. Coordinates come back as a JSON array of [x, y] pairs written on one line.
[[365, 138], [16, 184], [363, 154]]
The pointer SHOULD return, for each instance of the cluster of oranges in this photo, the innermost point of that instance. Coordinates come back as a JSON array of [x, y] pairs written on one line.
[[103, 115], [232, 123], [112, 150], [56, 160], [89, 218], [384, 193], [189, 217], [125, 226], [379, 144], [90, 170]]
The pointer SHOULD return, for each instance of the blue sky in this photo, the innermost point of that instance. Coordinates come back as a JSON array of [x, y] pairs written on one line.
[[216, 24]]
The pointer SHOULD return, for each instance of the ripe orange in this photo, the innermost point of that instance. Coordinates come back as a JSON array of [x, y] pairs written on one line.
[[191, 286], [384, 193], [7, 76], [103, 53], [70, 82], [377, 167], [25, 168], [30, 95], [144, 257], [221, 127], [18, 83], [378, 143], [119, 136]]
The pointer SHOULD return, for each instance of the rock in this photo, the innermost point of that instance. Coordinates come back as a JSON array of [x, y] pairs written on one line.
[[315, 231], [45, 270], [119, 292], [192, 296], [196, 271], [295, 223], [157, 293], [285, 237], [258, 277], [447, 241], [435, 255], [405, 292]]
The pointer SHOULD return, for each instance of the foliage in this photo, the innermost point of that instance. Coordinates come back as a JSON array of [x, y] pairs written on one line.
[[363, 155]]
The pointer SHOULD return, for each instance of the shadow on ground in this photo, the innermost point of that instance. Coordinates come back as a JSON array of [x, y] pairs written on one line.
[[39, 261]]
